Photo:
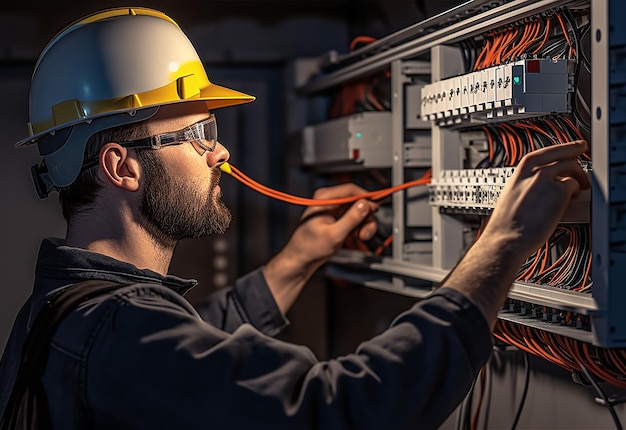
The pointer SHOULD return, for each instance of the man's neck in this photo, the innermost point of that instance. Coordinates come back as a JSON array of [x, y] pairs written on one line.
[[133, 245]]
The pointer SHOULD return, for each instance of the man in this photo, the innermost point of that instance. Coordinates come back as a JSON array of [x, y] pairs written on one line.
[[128, 139]]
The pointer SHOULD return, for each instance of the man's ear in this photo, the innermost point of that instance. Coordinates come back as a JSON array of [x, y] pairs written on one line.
[[119, 168]]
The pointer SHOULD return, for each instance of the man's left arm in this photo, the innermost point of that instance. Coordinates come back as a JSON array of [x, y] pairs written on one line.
[[250, 300], [263, 297], [321, 232]]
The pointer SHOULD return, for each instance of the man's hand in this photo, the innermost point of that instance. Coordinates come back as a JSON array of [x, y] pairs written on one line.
[[536, 197], [322, 230]]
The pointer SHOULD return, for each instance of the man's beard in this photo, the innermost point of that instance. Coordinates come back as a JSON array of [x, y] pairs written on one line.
[[174, 209]]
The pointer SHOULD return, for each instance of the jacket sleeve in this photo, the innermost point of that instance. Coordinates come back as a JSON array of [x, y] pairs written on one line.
[[188, 374], [248, 301]]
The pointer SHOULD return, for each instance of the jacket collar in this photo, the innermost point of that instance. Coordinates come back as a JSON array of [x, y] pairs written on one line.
[[62, 265]]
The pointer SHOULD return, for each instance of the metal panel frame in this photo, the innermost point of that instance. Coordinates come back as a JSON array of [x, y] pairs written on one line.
[[608, 148]]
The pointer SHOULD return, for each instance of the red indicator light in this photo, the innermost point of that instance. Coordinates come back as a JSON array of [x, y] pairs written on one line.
[[533, 66]]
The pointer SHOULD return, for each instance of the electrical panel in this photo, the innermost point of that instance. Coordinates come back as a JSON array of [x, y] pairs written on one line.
[[471, 91], [363, 138]]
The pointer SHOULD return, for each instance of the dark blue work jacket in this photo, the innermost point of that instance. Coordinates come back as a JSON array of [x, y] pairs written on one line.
[[143, 358]]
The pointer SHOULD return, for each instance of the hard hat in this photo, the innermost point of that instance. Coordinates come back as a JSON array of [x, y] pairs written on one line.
[[111, 68]]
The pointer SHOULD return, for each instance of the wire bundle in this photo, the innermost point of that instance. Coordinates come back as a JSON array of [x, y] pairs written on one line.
[[608, 364], [509, 142], [368, 93], [511, 42], [564, 261], [583, 359], [532, 37]]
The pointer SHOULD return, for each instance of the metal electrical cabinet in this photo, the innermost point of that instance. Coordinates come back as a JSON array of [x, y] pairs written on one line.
[[466, 121]]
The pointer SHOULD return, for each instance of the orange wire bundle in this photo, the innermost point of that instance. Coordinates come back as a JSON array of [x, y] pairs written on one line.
[[302, 201], [608, 364], [512, 42], [537, 133]]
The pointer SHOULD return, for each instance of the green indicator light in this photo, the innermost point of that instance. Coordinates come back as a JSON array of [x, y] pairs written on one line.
[[359, 135], [517, 80]]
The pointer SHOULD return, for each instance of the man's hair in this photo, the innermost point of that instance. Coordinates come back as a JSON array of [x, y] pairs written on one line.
[[80, 195]]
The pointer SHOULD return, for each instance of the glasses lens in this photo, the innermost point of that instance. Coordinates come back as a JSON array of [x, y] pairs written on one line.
[[203, 134]]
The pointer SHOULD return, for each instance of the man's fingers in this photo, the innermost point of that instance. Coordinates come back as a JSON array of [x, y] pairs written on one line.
[[353, 217], [367, 230], [572, 184], [567, 169], [550, 154]]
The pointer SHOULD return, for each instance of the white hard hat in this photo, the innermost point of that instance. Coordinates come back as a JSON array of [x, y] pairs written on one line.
[[111, 68]]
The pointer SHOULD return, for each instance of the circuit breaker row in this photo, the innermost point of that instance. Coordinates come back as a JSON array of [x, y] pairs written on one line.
[[469, 188], [525, 87]]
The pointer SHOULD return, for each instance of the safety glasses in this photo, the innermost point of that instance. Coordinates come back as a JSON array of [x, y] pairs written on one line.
[[202, 135]]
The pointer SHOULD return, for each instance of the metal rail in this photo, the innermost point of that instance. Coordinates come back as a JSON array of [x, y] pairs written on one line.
[[496, 17]]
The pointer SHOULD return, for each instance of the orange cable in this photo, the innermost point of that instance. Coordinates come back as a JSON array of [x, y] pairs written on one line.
[[483, 380], [506, 38], [518, 144], [617, 361], [544, 260], [558, 131], [548, 338], [481, 55], [565, 33], [497, 40], [569, 255], [573, 127], [536, 28], [526, 39], [388, 240], [532, 268], [507, 148], [545, 37], [373, 195], [531, 141], [528, 334], [361, 39]]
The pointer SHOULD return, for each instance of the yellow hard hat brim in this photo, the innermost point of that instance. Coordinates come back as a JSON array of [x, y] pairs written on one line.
[[217, 96]]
